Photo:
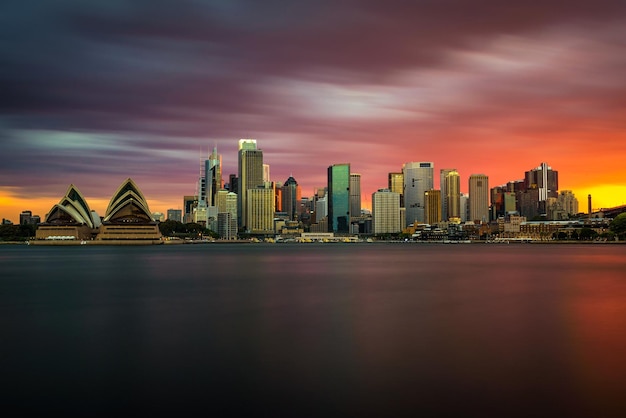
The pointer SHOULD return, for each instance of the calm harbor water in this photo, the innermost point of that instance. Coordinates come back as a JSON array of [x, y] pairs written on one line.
[[315, 330]]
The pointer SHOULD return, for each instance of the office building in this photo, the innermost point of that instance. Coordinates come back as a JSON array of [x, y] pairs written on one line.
[[291, 198], [478, 198], [386, 212], [355, 194], [452, 196], [418, 178], [260, 207], [395, 183], [175, 215], [250, 160], [339, 198], [432, 205]]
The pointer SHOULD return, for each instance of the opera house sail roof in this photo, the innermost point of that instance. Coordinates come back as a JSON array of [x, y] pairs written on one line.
[[127, 220], [128, 205], [71, 210]]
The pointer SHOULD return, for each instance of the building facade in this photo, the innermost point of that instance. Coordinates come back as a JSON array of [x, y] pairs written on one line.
[[339, 198], [479, 198], [250, 164], [386, 212], [418, 178], [432, 204], [355, 194]]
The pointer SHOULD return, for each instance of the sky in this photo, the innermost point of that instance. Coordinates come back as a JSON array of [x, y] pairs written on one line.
[[94, 92]]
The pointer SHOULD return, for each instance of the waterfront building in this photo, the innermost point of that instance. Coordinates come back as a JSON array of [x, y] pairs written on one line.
[[418, 177], [478, 198], [355, 195], [175, 215], [291, 198], [260, 207], [464, 207], [386, 212], [432, 205], [128, 217], [452, 196], [190, 203], [27, 218], [443, 186], [395, 183], [250, 164], [339, 198], [71, 219]]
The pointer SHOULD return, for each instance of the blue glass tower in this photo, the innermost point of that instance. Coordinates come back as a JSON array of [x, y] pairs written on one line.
[[339, 198]]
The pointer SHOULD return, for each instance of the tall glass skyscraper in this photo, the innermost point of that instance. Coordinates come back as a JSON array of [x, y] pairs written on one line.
[[418, 178], [355, 194], [250, 175], [339, 198]]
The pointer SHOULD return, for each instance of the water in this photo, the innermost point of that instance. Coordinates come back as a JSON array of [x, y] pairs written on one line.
[[314, 330]]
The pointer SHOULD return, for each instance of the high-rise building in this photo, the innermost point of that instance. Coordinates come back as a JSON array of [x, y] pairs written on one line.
[[546, 181], [250, 176], [339, 198], [266, 173], [291, 197], [190, 203], [444, 191], [355, 194], [395, 183], [175, 215], [386, 212], [260, 207], [464, 207], [568, 202], [432, 205], [418, 177], [452, 196], [213, 176], [479, 198]]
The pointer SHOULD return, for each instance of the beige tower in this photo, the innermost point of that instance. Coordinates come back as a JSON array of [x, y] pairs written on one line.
[[386, 212], [452, 196], [250, 175], [479, 198]]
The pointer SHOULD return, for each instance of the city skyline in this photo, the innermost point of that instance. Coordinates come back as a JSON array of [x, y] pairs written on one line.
[[94, 94]]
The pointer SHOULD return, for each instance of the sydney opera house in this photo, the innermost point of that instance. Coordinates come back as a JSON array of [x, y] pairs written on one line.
[[127, 220]]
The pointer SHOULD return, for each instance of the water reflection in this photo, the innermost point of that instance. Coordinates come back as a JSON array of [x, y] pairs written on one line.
[[319, 329]]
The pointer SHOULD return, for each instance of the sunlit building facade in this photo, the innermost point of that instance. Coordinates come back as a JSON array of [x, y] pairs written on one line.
[[479, 198], [339, 198], [386, 212], [432, 204], [251, 172]]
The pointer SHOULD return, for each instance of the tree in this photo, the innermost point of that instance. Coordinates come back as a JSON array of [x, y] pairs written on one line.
[[618, 225], [587, 234]]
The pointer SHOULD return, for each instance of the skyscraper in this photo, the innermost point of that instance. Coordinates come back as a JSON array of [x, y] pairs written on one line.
[[386, 212], [395, 183], [479, 198], [260, 207], [250, 175], [291, 197], [444, 191], [546, 181], [213, 176], [452, 196], [432, 205], [355, 194], [339, 198], [418, 177]]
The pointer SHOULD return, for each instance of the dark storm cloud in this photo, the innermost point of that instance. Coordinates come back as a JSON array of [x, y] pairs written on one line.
[[119, 65]]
